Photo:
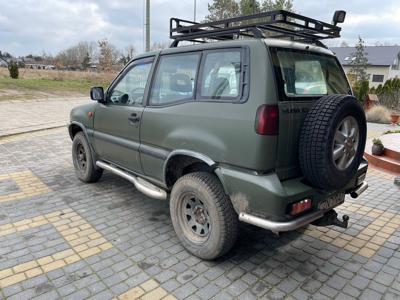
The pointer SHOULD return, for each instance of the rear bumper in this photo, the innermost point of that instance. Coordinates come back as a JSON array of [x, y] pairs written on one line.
[[295, 223], [265, 197], [281, 226]]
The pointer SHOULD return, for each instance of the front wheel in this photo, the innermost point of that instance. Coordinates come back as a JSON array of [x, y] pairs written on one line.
[[85, 170], [203, 216]]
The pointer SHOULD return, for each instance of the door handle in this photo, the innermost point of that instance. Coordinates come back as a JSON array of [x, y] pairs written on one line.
[[134, 118]]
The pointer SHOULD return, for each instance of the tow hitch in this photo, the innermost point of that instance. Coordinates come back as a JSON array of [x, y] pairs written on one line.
[[330, 218]]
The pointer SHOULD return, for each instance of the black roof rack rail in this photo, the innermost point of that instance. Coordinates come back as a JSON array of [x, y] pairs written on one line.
[[277, 24]]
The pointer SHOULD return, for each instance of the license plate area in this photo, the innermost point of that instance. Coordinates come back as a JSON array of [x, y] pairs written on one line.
[[331, 202]]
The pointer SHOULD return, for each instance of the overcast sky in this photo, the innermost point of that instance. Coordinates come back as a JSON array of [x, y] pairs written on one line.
[[34, 26]]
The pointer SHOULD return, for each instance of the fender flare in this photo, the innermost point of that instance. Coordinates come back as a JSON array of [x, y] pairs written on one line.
[[85, 132], [79, 125], [189, 153]]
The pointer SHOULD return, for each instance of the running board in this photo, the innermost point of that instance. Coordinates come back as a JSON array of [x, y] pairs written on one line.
[[142, 185]]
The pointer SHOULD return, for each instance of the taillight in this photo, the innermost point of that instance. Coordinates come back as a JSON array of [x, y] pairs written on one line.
[[267, 120], [300, 206]]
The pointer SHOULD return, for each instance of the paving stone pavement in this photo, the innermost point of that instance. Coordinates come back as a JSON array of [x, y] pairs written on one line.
[[60, 238], [23, 116], [375, 130]]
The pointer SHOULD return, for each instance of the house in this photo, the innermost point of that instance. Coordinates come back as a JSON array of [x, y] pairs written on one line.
[[383, 62], [7, 61], [40, 66]]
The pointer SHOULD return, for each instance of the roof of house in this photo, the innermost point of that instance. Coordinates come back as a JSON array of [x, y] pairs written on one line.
[[377, 55]]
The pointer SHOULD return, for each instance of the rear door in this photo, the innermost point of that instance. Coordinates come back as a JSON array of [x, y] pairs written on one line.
[[117, 122], [303, 77]]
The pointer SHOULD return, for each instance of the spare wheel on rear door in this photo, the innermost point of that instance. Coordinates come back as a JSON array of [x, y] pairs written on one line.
[[332, 141]]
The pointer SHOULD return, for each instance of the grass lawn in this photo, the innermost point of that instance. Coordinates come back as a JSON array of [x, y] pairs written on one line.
[[33, 84]]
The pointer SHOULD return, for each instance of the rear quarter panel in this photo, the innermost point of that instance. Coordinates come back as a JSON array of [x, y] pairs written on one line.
[[223, 131]]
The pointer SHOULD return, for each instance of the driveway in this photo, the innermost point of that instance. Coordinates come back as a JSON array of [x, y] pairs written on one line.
[[24, 116], [60, 238]]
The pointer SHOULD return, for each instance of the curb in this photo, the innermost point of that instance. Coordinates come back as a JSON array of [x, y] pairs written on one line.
[[30, 131]]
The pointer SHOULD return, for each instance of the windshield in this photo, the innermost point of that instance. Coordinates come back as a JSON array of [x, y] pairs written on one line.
[[307, 74]]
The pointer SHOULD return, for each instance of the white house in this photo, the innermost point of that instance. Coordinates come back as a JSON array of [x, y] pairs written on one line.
[[383, 62]]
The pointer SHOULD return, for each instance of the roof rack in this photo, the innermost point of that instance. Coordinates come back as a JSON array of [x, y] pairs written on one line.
[[277, 24]]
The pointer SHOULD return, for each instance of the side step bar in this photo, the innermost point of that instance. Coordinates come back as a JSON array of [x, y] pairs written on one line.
[[277, 227], [142, 185]]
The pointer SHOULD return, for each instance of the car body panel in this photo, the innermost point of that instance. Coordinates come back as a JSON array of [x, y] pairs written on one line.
[[260, 173], [265, 195], [117, 139]]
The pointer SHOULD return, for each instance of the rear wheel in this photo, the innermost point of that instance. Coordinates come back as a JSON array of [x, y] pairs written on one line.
[[202, 215], [82, 158]]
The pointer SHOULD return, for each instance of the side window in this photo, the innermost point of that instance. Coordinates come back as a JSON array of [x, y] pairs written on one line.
[[175, 78], [130, 89], [221, 75]]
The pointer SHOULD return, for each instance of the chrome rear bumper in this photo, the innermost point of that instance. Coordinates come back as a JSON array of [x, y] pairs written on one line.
[[281, 226]]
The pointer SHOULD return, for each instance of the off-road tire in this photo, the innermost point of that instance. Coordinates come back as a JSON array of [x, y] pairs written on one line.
[[89, 173], [223, 218], [317, 140]]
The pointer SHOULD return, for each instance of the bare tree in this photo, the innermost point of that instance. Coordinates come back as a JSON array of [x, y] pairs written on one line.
[[127, 54], [107, 56], [3, 57], [159, 46], [77, 56]]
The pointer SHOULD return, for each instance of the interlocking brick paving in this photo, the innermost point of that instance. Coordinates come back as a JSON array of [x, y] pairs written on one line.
[[84, 242], [24, 116], [24, 185], [130, 250]]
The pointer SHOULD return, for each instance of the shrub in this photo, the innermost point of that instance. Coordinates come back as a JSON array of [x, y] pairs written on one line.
[[389, 93], [361, 89], [378, 114], [377, 142], [13, 69]]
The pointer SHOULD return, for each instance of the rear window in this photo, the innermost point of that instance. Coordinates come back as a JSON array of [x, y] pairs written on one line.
[[306, 74]]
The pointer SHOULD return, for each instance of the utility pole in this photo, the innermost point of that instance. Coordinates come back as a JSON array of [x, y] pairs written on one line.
[[194, 12], [147, 25]]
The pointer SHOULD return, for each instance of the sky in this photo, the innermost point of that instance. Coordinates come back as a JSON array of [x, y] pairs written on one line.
[[37, 26]]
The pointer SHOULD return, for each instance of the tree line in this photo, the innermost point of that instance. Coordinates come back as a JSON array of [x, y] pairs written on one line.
[[223, 9], [102, 55]]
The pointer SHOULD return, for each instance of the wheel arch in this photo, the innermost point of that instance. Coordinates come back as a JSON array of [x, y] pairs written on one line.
[[75, 127], [181, 162]]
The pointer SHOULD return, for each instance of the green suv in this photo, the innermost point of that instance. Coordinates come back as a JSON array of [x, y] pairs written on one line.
[[252, 120]]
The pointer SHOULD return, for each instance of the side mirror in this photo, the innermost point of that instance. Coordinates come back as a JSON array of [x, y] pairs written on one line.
[[97, 94], [338, 17]]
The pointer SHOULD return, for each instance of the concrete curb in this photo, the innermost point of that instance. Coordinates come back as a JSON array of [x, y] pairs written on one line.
[[30, 131]]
